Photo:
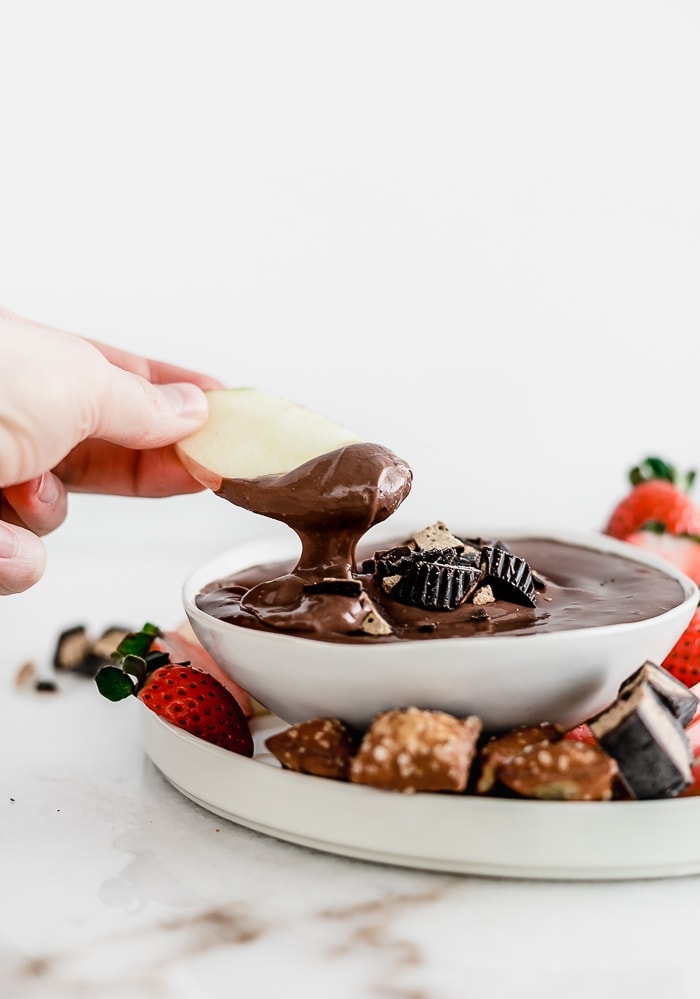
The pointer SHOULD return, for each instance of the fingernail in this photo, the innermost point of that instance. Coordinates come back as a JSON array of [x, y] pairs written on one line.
[[47, 489], [9, 542], [186, 399]]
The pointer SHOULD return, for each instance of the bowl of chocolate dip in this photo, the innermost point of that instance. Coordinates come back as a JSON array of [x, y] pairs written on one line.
[[350, 617]]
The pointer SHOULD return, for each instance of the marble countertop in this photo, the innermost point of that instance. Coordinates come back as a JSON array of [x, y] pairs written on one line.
[[116, 885]]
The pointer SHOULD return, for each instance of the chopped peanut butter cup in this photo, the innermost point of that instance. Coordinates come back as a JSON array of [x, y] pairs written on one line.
[[323, 747], [413, 750], [566, 770]]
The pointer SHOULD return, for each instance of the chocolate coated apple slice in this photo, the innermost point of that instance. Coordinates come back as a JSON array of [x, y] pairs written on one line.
[[251, 432]]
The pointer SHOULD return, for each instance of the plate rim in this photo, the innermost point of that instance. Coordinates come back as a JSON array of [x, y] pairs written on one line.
[[558, 840]]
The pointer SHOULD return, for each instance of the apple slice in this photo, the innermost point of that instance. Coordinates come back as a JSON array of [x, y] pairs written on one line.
[[251, 433]]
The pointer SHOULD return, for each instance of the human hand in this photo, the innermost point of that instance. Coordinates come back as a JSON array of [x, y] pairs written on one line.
[[77, 415]]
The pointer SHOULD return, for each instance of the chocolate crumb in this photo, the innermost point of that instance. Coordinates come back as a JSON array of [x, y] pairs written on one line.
[[110, 638], [375, 624], [437, 535], [72, 648], [25, 674], [45, 686]]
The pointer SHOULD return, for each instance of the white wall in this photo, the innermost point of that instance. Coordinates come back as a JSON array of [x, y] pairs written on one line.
[[469, 230]]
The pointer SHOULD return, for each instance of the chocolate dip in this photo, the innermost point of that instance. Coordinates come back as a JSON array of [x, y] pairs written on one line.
[[330, 502]]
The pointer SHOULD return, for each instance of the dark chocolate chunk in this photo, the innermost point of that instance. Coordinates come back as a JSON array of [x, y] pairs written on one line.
[[105, 645], [480, 614], [336, 587], [76, 652], [72, 649], [499, 544], [397, 560], [46, 686], [508, 575], [102, 649], [678, 698], [434, 583], [477, 543], [385, 561], [647, 741]]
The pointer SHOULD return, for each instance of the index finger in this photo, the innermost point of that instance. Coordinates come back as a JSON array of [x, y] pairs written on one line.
[[156, 372], [98, 466]]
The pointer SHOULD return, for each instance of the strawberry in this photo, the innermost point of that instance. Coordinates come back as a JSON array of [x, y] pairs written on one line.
[[683, 552], [692, 730], [181, 647], [683, 661], [178, 692], [658, 501], [581, 733]]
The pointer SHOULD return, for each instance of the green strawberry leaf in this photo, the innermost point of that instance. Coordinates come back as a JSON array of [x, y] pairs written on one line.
[[653, 468], [654, 527], [137, 643], [114, 684], [134, 661]]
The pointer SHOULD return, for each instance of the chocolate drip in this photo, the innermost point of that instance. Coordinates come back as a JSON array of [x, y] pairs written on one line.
[[331, 501]]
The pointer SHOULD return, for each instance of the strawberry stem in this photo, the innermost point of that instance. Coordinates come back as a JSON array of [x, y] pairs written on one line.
[[137, 643], [134, 662], [653, 468]]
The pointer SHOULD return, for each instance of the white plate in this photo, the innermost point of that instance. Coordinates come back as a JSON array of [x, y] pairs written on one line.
[[465, 835]]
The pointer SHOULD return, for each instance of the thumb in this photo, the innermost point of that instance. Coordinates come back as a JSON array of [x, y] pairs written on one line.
[[22, 559], [133, 412]]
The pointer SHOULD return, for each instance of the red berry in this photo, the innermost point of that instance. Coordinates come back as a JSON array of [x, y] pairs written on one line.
[[683, 661], [183, 649], [659, 498], [178, 692], [581, 733], [198, 703], [659, 503], [684, 553]]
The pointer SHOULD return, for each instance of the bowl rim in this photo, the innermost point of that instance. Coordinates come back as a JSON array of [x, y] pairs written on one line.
[[270, 547]]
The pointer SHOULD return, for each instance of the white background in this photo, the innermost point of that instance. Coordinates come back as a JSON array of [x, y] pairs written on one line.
[[470, 231]]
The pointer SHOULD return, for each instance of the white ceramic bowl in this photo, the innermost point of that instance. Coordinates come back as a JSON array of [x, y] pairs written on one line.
[[506, 680]]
